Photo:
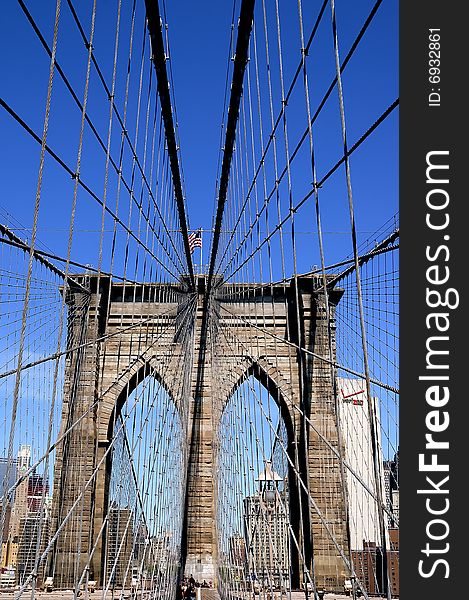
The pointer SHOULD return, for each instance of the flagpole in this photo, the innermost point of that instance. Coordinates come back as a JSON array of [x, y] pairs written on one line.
[[201, 251]]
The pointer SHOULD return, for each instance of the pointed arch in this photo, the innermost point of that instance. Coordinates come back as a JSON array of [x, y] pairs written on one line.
[[282, 393], [144, 371], [270, 377], [143, 470], [113, 398]]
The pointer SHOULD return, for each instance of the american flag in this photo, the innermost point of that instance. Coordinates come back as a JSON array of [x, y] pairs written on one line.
[[195, 240]]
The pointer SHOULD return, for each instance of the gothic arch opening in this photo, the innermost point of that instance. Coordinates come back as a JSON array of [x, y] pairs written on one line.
[[138, 376], [144, 488], [254, 525]]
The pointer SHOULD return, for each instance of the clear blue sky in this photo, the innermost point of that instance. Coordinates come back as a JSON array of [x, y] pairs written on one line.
[[199, 37], [370, 85]]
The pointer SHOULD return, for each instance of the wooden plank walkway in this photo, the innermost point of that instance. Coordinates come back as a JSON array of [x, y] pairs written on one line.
[[209, 594]]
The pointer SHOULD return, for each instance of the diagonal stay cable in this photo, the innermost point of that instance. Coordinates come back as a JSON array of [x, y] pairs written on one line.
[[74, 175], [98, 137], [64, 434], [334, 451], [37, 255], [371, 408], [385, 245], [314, 354], [331, 171], [325, 523], [85, 344], [31, 260], [271, 140], [86, 267], [332, 85], [121, 120], [362, 259], [242, 44]]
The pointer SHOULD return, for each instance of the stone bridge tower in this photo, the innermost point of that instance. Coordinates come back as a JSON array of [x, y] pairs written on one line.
[[270, 323]]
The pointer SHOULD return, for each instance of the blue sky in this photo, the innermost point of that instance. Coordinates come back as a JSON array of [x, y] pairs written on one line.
[[199, 34], [370, 86]]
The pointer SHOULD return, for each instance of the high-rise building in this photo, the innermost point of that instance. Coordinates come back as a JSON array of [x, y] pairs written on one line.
[[395, 505], [20, 503], [140, 543], [267, 533], [391, 484], [393, 561], [356, 431], [367, 565], [38, 487], [161, 551], [28, 518], [5, 558], [23, 459], [33, 538], [237, 563], [387, 488], [8, 550], [119, 544], [237, 550], [366, 538], [3, 471]]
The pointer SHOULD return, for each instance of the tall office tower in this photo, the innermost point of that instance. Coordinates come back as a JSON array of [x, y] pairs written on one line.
[[356, 430], [119, 543], [266, 531], [20, 503], [33, 538]]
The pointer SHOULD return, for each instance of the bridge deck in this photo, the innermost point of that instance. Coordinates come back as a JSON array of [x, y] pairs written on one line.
[[209, 594]]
